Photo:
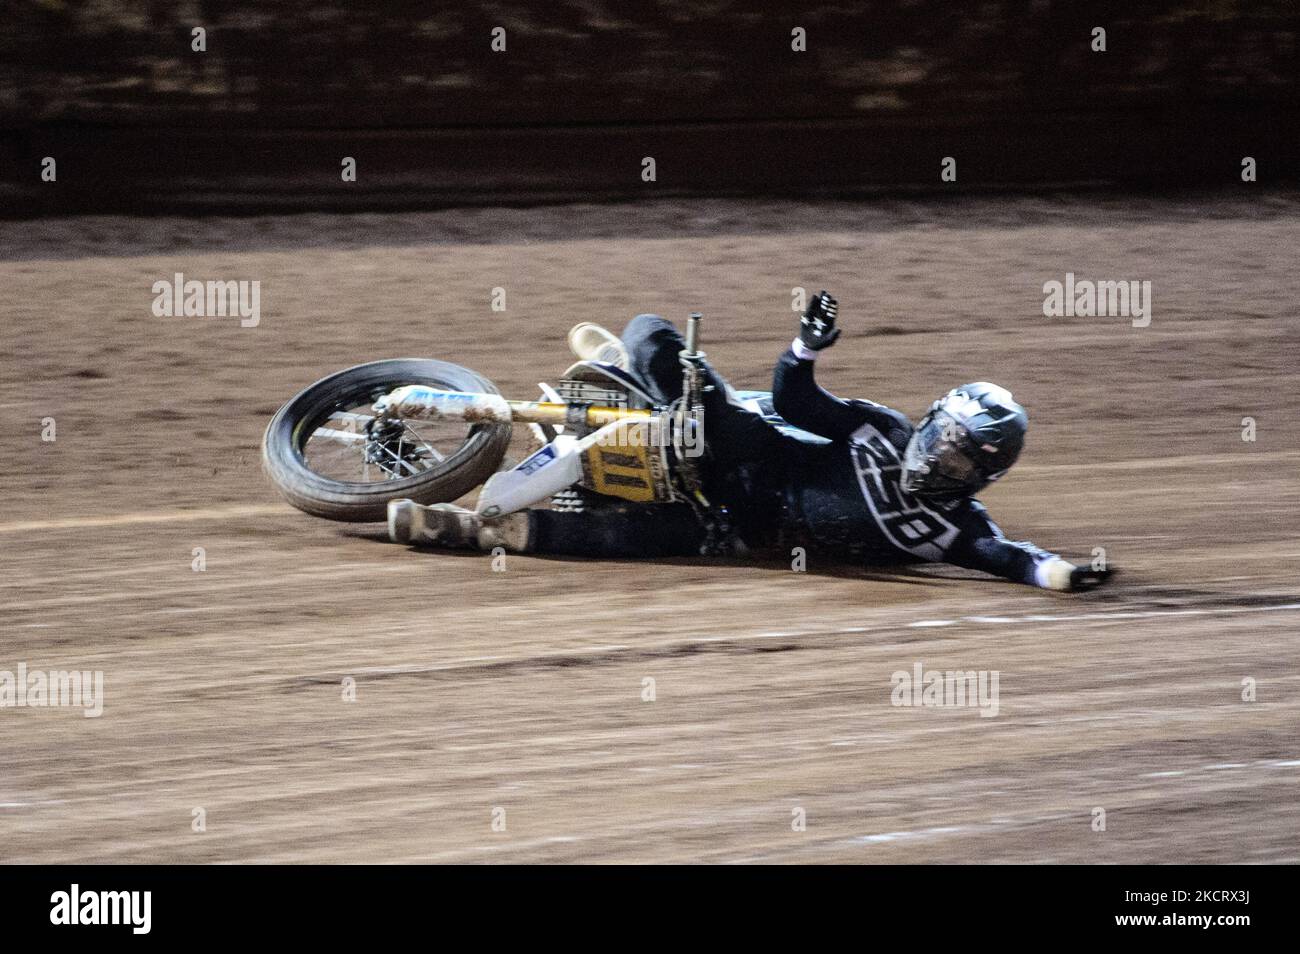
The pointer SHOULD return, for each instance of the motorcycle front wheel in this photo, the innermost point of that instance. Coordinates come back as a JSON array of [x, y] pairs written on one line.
[[329, 455]]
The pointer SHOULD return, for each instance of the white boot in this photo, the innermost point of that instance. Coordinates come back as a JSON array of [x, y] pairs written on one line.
[[446, 525], [441, 525], [591, 342]]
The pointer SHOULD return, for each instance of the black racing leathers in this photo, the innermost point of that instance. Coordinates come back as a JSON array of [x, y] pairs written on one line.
[[840, 498]]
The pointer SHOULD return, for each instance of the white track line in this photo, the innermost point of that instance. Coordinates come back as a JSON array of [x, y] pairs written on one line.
[[1102, 617], [153, 516], [1156, 463], [204, 588], [671, 645]]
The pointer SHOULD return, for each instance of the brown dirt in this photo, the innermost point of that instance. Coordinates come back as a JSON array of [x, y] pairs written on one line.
[[522, 689]]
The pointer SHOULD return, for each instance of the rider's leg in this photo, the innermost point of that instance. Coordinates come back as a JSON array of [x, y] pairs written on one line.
[[652, 345], [749, 461], [734, 435], [639, 530], [645, 530]]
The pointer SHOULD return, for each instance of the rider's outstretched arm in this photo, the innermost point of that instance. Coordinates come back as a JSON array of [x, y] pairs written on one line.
[[982, 546], [801, 401]]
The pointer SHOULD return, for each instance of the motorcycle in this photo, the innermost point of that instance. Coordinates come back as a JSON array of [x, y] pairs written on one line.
[[432, 432]]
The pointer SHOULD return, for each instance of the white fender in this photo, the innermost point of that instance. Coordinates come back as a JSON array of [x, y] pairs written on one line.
[[546, 472], [556, 466]]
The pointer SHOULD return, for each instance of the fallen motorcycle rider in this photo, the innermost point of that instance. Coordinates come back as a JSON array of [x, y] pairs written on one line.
[[868, 487]]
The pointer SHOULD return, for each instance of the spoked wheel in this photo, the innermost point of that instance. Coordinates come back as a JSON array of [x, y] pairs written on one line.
[[330, 456], [382, 448]]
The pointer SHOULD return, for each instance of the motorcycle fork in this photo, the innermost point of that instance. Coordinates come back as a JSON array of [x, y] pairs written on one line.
[[419, 402]]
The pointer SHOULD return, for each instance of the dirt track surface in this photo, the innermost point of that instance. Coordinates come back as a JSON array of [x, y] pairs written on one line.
[[522, 690]]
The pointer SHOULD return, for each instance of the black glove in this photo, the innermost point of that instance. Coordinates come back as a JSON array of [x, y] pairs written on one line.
[[817, 326], [1086, 578]]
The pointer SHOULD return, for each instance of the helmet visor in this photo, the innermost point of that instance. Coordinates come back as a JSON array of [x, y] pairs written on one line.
[[938, 459]]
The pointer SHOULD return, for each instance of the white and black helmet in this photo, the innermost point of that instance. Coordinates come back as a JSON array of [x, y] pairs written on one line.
[[969, 438]]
